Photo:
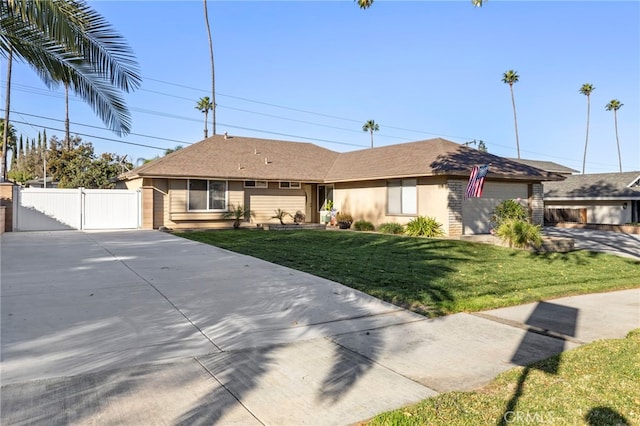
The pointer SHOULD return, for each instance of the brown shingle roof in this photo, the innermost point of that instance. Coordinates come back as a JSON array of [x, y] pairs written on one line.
[[596, 185], [549, 166], [243, 158], [426, 158]]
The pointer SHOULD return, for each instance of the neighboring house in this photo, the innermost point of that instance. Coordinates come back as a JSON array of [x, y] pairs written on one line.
[[548, 166], [195, 186], [602, 198], [40, 183]]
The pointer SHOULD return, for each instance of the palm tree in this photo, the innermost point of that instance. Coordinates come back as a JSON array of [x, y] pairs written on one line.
[[66, 40], [614, 105], [213, 74], [370, 126], [509, 78], [205, 105], [5, 130], [586, 90]]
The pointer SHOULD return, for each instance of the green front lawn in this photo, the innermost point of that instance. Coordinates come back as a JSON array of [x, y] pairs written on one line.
[[596, 384], [430, 276]]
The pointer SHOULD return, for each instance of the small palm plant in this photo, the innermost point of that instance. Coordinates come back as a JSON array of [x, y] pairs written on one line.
[[519, 233], [238, 213], [280, 215]]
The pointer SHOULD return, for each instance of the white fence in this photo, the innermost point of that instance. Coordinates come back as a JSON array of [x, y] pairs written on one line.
[[51, 209]]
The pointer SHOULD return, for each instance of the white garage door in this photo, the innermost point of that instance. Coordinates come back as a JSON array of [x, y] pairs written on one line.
[[264, 206], [476, 212]]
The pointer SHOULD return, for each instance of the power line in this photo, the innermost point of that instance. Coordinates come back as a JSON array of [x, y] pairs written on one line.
[[98, 127], [97, 137]]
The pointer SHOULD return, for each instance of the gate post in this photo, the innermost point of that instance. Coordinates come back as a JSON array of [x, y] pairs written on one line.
[[147, 207], [82, 212], [6, 201]]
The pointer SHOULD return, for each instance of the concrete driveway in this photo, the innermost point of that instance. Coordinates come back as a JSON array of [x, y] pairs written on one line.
[[618, 243], [142, 327]]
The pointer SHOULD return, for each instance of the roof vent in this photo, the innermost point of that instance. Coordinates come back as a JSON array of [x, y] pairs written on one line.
[[266, 161], [226, 136]]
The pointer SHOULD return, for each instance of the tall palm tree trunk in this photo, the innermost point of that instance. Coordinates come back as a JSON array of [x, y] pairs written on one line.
[[213, 75], [515, 119], [5, 133], [615, 120], [67, 136], [371, 131], [586, 142], [206, 118]]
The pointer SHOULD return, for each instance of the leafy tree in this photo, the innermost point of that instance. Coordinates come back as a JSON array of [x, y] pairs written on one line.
[[510, 77], [11, 138], [172, 150], [80, 167], [68, 41], [586, 90], [482, 147], [370, 126], [204, 105], [213, 74], [614, 105]]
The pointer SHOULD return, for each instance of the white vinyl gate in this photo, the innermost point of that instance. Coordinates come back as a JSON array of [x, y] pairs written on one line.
[[53, 209]]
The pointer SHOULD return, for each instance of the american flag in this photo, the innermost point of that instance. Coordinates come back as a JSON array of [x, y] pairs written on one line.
[[476, 181]]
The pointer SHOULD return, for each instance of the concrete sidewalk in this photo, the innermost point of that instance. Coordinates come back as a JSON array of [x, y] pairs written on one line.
[[142, 327]]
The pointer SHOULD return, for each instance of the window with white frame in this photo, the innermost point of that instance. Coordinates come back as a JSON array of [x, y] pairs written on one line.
[[402, 197], [290, 185], [207, 195], [256, 184]]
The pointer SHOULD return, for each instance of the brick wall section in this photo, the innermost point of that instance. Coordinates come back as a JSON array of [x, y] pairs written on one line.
[[536, 203], [456, 192], [6, 199]]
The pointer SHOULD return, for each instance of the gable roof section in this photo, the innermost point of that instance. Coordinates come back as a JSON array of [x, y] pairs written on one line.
[[263, 159], [427, 158], [242, 158], [548, 166], [595, 186]]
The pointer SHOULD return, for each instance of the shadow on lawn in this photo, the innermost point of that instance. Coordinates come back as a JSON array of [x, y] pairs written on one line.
[[554, 323]]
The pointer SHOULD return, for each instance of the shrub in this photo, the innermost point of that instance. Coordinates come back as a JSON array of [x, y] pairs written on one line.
[[519, 233], [344, 217], [423, 226], [391, 228], [299, 217], [508, 209], [363, 225]]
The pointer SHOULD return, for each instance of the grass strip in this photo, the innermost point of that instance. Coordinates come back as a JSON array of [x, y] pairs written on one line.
[[432, 276]]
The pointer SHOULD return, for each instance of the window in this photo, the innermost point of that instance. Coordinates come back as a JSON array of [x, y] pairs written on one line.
[[256, 184], [290, 185], [207, 195], [402, 197]]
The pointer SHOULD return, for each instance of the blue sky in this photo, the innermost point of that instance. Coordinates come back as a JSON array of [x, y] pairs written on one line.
[[316, 71]]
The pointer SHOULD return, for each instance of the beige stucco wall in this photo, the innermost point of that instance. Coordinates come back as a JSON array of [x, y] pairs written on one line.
[[598, 211], [133, 184], [368, 201], [433, 196]]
